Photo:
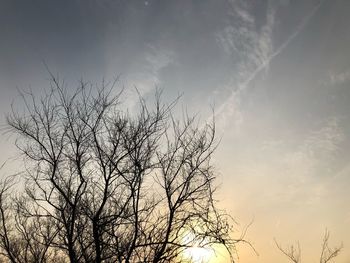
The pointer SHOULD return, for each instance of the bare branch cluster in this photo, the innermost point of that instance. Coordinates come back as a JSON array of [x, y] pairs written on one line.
[[327, 253], [102, 185]]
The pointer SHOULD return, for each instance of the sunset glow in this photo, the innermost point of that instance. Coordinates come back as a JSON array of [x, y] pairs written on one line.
[[272, 76]]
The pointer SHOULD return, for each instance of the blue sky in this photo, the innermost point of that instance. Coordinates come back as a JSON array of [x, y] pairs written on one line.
[[277, 72]]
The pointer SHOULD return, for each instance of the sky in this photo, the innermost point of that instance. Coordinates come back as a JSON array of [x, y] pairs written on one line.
[[277, 73]]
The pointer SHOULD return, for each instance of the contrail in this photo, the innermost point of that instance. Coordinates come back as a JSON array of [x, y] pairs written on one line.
[[242, 86]]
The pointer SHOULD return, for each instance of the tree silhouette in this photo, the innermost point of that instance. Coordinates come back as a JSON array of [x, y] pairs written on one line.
[[104, 185], [327, 254]]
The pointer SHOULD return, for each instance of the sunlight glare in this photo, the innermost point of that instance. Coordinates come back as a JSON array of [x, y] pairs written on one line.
[[197, 254]]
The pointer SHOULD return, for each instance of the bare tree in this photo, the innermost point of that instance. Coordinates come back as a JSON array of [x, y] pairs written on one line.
[[327, 253], [292, 252], [23, 239], [109, 186]]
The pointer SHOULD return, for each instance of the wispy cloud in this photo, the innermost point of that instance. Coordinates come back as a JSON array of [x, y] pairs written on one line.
[[317, 150], [338, 78], [244, 41], [147, 75], [298, 170], [310, 165], [250, 47], [257, 49], [155, 59]]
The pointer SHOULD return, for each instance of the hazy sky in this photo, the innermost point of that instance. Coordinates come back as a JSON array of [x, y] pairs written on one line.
[[278, 73]]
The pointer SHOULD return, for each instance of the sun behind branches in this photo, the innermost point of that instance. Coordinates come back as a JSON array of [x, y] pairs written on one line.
[[196, 253]]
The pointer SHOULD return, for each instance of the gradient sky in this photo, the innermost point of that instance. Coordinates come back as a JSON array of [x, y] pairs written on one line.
[[278, 73]]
